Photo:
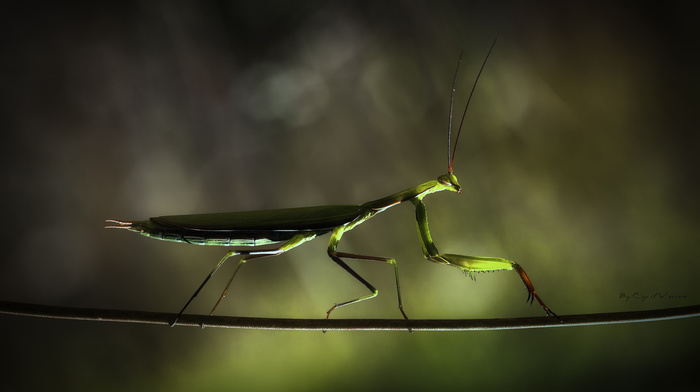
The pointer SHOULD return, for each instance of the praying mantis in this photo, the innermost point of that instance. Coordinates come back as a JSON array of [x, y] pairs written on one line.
[[293, 227]]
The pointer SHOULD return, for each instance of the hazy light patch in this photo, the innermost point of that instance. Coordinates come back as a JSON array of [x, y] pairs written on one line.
[[509, 94], [403, 106], [331, 47], [516, 98], [289, 370], [160, 184], [62, 262], [295, 95], [296, 89]]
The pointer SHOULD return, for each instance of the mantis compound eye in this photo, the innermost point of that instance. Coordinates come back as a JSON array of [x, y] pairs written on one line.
[[444, 179]]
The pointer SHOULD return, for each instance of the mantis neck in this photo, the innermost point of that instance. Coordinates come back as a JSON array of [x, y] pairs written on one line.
[[418, 192]]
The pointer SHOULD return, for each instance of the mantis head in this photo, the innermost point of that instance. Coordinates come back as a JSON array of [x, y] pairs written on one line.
[[449, 181]]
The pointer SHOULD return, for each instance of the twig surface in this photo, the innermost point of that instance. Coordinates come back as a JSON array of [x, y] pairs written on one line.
[[140, 317]]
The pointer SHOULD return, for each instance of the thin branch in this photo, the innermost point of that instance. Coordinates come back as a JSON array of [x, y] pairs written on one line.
[[139, 317]]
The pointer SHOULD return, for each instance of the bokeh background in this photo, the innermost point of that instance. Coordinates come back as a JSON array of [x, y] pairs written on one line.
[[579, 160]]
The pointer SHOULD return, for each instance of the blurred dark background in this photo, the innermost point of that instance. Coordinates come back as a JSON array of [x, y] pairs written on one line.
[[579, 160]]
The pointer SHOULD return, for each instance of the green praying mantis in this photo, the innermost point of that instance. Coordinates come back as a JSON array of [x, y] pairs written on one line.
[[294, 226]]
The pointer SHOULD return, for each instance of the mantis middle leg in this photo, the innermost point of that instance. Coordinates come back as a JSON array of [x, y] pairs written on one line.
[[337, 257]]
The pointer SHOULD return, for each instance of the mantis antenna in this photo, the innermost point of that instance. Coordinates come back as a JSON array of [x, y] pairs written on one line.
[[450, 160]]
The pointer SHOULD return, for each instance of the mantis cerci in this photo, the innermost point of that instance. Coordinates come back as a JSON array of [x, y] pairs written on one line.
[[294, 226]]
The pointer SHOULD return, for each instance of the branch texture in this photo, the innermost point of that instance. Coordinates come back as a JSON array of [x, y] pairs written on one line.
[[202, 321]]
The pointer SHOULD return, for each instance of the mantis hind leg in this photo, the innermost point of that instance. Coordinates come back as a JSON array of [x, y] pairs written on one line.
[[216, 268], [245, 256]]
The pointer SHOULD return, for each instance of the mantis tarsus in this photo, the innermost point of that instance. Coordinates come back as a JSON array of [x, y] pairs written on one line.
[[295, 226]]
